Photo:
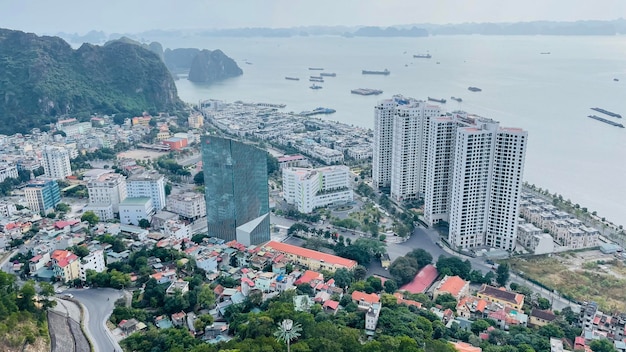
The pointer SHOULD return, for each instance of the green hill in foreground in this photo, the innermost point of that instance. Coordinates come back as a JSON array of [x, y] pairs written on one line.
[[42, 78]]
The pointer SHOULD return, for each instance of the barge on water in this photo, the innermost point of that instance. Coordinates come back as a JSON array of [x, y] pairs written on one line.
[[366, 91], [370, 72], [602, 119], [442, 101], [607, 112]]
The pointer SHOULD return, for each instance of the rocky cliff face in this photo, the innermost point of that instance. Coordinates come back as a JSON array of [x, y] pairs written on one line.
[[42, 78], [179, 60], [210, 66]]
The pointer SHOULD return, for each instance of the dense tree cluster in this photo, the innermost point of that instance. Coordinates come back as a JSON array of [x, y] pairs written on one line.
[[404, 268]]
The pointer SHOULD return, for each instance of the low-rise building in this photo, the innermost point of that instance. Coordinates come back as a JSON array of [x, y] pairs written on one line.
[[66, 265], [93, 261], [177, 286], [309, 258], [540, 317], [133, 210], [501, 296], [452, 285], [309, 189], [371, 318], [190, 206]]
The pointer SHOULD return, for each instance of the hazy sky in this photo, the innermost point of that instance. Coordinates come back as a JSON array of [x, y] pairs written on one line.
[[51, 16]]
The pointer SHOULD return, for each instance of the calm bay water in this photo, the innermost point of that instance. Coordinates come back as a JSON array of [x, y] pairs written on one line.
[[548, 95]]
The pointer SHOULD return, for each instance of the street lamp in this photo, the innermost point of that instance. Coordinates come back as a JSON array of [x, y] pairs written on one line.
[[287, 331]]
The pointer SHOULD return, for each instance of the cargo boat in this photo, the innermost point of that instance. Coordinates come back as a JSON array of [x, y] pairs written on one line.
[[368, 72], [366, 91], [442, 101], [602, 119], [316, 80], [427, 56], [607, 112], [474, 89], [318, 111], [316, 69], [457, 99], [328, 74], [315, 86], [292, 78]]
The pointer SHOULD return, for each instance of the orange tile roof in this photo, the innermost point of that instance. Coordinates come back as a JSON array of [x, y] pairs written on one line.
[[362, 296], [309, 276], [422, 280], [465, 347], [308, 253], [452, 285]]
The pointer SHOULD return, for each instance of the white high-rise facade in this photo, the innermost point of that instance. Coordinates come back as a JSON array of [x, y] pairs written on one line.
[[410, 147], [56, 162], [467, 168], [148, 184], [383, 134], [486, 184], [309, 189]]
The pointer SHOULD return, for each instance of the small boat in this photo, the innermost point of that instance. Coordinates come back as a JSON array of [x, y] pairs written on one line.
[[316, 80], [422, 56], [442, 101], [316, 68], [315, 86], [438, 62], [368, 72], [292, 78], [474, 89], [457, 99], [616, 79], [545, 53]]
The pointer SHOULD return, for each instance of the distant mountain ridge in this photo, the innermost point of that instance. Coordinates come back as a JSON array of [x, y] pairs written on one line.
[[42, 78]]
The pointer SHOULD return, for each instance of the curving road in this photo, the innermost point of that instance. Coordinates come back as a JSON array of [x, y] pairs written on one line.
[[98, 305]]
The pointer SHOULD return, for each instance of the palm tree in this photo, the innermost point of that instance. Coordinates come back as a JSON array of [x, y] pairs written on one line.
[[287, 331]]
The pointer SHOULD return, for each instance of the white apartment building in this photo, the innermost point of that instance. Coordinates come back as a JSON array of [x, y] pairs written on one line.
[[56, 162], [93, 261], [401, 129], [106, 190], [177, 229], [132, 210], [410, 148], [309, 188], [7, 170], [190, 206], [383, 134], [7, 209], [148, 184], [486, 184]]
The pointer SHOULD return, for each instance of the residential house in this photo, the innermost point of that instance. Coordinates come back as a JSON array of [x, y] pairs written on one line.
[[66, 265], [179, 285], [502, 296], [364, 300], [452, 285], [179, 319], [540, 317], [371, 318]]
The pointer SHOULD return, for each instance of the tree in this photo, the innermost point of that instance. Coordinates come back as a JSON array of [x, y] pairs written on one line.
[[90, 217], [391, 286], [63, 208], [543, 303], [343, 278], [422, 257], [199, 178], [203, 321], [80, 251], [502, 274], [144, 223], [479, 326], [168, 189], [287, 331], [602, 345], [359, 272], [206, 296]]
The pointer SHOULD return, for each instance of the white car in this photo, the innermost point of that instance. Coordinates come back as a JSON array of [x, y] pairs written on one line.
[[58, 291], [69, 295]]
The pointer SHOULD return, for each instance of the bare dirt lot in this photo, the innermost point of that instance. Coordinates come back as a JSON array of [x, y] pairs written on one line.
[[585, 276], [141, 154]]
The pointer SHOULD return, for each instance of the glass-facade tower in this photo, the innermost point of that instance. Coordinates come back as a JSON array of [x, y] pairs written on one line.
[[236, 192]]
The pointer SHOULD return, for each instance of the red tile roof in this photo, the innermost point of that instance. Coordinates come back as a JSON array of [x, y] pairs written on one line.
[[452, 285], [308, 253], [362, 296], [64, 223], [331, 304], [309, 276], [422, 280]]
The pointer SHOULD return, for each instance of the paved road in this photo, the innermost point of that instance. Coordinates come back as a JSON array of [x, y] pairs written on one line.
[[190, 160], [98, 307]]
